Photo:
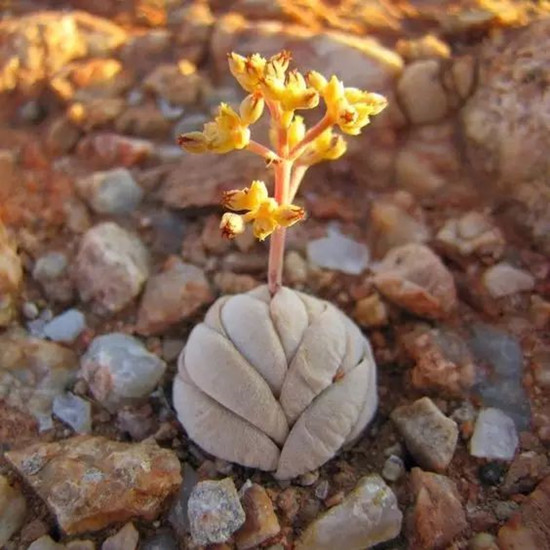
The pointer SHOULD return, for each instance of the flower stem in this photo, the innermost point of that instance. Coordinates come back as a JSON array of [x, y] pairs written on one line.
[[262, 151], [277, 240]]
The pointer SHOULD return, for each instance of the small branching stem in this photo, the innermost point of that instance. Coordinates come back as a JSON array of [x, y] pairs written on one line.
[[311, 134], [262, 151]]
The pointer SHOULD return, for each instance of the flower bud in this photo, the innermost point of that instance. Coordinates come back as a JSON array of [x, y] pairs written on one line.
[[193, 142], [316, 80], [289, 214], [251, 108], [231, 225]]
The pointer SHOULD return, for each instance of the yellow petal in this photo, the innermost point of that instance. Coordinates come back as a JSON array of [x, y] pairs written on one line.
[[251, 108], [316, 80], [231, 225], [193, 142], [289, 214], [296, 131]]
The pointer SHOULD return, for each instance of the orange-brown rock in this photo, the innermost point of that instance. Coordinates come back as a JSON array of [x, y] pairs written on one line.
[[90, 482]]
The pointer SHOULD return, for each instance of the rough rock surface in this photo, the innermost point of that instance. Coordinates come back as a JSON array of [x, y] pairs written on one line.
[[174, 294], [12, 510], [437, 517], [111, 266], [430, 436], [508, 144], [215, 511], [89, 482], [368, 516], [414, 278], [288, 410], [261, 521], [33, 372], [119, 370], [495, 436]]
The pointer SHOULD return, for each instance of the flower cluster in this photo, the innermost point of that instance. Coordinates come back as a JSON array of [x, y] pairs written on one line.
[[264, 213], [269, 83]]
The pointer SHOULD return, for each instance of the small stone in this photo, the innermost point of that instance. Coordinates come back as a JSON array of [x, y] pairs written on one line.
[[215, 511], [65, 327], [371, 312], [504, 280], [171, 348], [295, 268], [288, 502], [526, 470], [437, 517], [62, 135], [178, 84], [89, 482], [483, 541], [429, 435], [33, 530], [421, 92], [80, 545], [529, 528], [12, 510], [368, 516], [139, 423], [414, 278], [261, 522], [473, 233], [49, 267], [495, 436], [339, 253], [111, 266], [178, 517], [393, 468], [126, 539], [111, 192], [171, 296], [505, 509], [443, 363], [491, 473], [160, 541], [46, 543], [109, 150], [120, 371], [308, 479], [322, 489], [33, 372], [74, 411], [17, 428], [234, 283], [30, 310]]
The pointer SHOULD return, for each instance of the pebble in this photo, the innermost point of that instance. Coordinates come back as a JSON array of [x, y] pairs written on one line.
[[295, 268], [339, 253], [50, 266], [421, 92], [172, 296], [110, 192], [429, 435], [33, 372], [106, 481], [437, 516], [261, 521], [502, 388], [120, 371], [495, 436], [171, 348], [322, 489], [525, 471], [215, 511], [30, 310], [139, 423], [45, 543], [369, 515], [234, 283], [308, 479], [66, 327], [111, 267], [393, 468], [483, 541], [473, 233], [73, 411], [178, 516], [160, 541], [414, 278], [125, 539], [504, 280], [491, 473], [505, 509], [371, 312], [12, 510]]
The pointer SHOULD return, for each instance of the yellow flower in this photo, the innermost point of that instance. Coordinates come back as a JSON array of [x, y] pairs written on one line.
[[264, 212], [248, 71], [293, 93], [327, 146], [296, 131], [251, 109], [349, 108], [226, 133]]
